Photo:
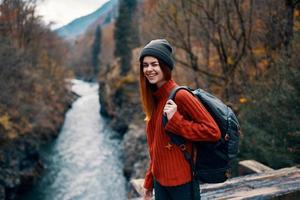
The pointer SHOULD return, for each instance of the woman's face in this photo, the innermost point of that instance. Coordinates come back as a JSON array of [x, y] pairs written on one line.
[[152, 71]]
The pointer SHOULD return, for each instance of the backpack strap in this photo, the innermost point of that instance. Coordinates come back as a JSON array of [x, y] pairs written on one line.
[[176, 139], [172, 97], [176, 89]]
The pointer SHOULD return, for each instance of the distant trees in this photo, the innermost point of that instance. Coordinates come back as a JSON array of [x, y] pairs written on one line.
[[96, 49], [84, 54], [126, 34], [269, 118]]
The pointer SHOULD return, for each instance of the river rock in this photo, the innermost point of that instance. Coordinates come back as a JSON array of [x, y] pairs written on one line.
[[20, 166], [119, 96], [135, 154]]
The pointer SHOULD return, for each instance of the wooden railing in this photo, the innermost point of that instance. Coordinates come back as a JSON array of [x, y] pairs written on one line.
[[263, 183]]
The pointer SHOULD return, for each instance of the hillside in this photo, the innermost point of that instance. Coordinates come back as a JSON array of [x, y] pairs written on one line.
[[77, 27]]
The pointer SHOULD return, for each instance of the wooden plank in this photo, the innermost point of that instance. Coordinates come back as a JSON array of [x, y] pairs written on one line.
[[276, 184], [252, 166]]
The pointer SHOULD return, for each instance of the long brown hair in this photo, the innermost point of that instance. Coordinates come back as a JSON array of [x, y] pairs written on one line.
[[146, 88]]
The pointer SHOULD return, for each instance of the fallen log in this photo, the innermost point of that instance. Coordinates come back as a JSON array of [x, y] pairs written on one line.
[[283, 184]]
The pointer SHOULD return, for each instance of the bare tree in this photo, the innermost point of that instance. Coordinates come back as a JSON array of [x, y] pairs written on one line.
[[202, 29], [18, 20], [228, 26]]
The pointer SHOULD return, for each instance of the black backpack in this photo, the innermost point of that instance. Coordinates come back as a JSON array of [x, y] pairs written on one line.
[[212, 160]]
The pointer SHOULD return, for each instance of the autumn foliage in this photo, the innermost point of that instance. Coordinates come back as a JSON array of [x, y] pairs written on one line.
[[32, 76], [246, 52]]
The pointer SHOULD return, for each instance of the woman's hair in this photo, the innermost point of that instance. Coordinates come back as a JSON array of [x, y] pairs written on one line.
[[146, 89]]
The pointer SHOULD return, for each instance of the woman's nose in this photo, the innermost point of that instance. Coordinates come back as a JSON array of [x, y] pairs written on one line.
[[149, 68]]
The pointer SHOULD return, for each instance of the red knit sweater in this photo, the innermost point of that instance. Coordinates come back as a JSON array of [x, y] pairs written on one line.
[[191, 121]]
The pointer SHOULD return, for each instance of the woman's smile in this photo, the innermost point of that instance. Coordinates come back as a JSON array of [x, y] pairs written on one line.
[[151, 76]]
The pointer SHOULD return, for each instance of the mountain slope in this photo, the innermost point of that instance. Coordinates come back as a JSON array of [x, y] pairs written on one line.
[[80, 25]]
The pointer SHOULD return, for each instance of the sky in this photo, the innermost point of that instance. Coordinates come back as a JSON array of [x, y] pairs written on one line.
[[62, 12]]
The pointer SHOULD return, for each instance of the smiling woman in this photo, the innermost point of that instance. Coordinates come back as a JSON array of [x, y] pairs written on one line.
[[169, 174], [63, 12]]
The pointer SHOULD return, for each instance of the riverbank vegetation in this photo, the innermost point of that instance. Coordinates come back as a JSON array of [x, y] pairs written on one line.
[[32, 73], [33, 95]]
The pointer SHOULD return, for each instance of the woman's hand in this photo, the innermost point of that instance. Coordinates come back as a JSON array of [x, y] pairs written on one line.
[[148, 193], [170, 109]]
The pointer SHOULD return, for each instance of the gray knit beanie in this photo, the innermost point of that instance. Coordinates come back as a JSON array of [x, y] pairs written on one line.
[[159, 48]]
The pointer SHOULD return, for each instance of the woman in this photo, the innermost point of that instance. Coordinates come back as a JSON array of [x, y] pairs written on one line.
[[169, 174]]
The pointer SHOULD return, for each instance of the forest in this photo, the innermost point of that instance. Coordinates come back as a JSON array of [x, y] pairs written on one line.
[[32, 99], [32, 72]]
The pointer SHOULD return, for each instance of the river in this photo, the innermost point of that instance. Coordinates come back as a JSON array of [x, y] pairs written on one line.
[[83, 163]]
